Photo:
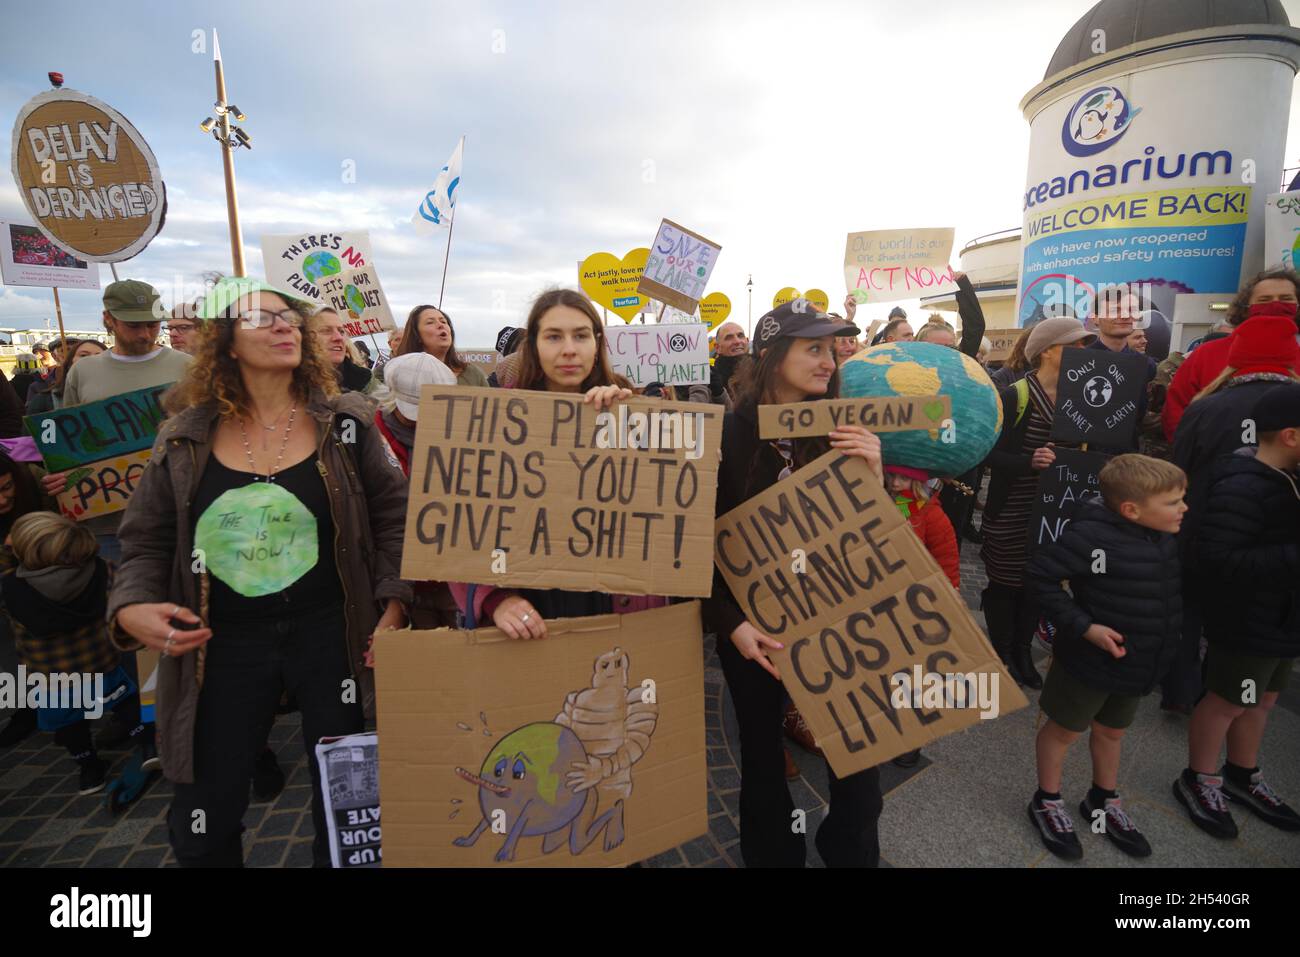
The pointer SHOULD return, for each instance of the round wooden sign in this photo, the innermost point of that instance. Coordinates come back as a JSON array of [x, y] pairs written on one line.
[[87, 176]]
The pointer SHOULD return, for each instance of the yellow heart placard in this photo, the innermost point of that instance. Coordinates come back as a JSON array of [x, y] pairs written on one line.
[[788, 294], [818, 299], [612, 282], [714, 309]]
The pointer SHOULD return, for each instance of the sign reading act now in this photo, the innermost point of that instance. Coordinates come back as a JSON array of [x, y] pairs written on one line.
[[539, 490]]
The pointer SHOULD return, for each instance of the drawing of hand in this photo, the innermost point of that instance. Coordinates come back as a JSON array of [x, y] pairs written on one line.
[[585, 774]]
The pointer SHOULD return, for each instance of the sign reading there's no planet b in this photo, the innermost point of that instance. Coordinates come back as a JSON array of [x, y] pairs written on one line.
[[671, 354], [360, 301], [87, 176], [678, 267], [1073, 478], [103, 446], [1097, 396], [301, 262]]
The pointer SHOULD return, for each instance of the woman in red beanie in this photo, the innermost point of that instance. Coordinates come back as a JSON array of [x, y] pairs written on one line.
[[1273, 292], [1262, 354]]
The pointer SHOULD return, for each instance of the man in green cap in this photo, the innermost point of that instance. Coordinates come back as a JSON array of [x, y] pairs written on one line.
[[133, 315]]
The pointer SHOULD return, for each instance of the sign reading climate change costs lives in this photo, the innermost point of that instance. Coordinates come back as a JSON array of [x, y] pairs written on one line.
[[886, 265], [103, 446], [359, 300], [671, 354], [678, 267], [301, 262], [538, 490], [1123, 191], [87, 176]]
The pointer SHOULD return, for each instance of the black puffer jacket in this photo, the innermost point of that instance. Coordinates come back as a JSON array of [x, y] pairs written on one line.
[[1138, 595], [1249, 549]]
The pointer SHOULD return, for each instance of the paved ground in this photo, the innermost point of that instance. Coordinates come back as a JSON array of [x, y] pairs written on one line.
[[964, 806]]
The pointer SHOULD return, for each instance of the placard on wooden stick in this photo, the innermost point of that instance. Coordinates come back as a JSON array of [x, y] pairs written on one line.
[[890, 413], [537, 490], [678, 267], [1097, 396], [582, 750], [880, 653]]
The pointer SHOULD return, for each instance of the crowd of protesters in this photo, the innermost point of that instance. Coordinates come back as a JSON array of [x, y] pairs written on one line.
[[274, 407]]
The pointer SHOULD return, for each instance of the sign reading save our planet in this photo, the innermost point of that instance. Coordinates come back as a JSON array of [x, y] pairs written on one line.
[[103, 446]]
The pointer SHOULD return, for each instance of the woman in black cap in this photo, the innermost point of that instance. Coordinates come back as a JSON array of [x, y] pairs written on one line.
[[793, 360]]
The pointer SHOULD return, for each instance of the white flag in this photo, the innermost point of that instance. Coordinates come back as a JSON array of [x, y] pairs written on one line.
[[435, 210]]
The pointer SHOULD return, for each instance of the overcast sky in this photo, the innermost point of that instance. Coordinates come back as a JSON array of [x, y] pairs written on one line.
[[771, 128]]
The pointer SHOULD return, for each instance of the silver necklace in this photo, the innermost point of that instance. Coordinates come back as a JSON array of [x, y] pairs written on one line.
[[248, 449], [275, 424]]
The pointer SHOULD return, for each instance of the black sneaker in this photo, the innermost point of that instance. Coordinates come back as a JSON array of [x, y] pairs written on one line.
[[268, 779], [1205, 805], [94, 772], [1056, 829], [149, 760], [908, 759], [1262, 799], [1119, 827]]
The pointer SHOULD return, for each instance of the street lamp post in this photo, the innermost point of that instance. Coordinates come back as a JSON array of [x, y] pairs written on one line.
[[230, 138]]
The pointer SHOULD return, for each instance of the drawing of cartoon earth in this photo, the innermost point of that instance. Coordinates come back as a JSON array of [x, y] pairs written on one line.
[[521, 778]]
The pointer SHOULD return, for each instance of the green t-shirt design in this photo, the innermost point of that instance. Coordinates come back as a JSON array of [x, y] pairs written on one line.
[[259, 539]]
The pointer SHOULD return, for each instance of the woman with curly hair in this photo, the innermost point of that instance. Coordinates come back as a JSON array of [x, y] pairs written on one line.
[[270, 516]]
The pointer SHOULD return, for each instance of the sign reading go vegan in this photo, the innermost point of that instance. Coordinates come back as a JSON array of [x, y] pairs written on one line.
[[87, 176], [538, 490]]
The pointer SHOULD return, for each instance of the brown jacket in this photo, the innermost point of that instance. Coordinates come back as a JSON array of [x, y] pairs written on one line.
[[367, 492]]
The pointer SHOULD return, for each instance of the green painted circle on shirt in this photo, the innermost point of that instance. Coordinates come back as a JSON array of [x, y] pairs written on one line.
[[259, 539]]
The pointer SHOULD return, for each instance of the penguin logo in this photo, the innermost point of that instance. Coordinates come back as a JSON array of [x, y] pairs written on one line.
[[1097, 121]]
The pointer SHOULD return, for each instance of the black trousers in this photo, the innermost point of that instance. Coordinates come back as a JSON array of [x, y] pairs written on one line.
[[769, 836], [249, 666]]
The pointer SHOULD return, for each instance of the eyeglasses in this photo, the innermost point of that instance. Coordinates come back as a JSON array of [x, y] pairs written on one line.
[[264, 319], [182, 327]]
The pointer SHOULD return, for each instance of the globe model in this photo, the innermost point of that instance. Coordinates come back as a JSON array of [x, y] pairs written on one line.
[[319, 265], [923, 368], [356, 304]]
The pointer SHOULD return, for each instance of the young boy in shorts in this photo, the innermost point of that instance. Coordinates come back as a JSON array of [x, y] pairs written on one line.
[[1117, 634], [1251, 539]]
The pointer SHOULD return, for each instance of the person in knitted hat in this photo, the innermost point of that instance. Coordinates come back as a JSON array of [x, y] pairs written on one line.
[[1275, 292], [1261, 357]]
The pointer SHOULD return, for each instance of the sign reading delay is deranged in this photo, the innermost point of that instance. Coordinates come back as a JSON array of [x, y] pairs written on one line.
[[880, 653], [539, 490], [1097, 396]]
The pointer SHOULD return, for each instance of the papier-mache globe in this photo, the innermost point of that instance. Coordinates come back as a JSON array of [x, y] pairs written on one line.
[[923, 368]]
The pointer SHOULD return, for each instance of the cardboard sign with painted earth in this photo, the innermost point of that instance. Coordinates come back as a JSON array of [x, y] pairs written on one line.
[[612, 282], [923, 368], [87, 177]]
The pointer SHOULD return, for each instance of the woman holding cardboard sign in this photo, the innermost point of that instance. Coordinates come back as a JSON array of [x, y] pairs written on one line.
[[793, 360], [270, 520], [563, 351], [1022, 451]]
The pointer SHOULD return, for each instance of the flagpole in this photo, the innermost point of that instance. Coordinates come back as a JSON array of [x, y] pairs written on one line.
[[451, 227]]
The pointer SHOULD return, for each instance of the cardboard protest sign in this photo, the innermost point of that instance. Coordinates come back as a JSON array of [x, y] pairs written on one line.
[[1062, 486], [360, 301], [104, 446], [714, 309], [880, 653], [886, 413], [612, 282], [583, 750], [678, 267], [537, 490], [886, 265], [1002, 342], [1097, 396], [1281, 230], [28, 258], [87, 176], [349, 774], [301, 262], [485, 359], [673, 355]]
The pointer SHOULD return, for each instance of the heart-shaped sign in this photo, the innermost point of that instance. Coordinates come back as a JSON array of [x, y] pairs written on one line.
[[788, 294], [815, 296], [612, 282], [714, 309]]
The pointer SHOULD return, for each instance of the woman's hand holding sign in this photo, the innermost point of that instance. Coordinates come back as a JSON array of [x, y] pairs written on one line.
[[1043, 457], [603, 396], [751, 642], [857, 441], [519, 619]]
